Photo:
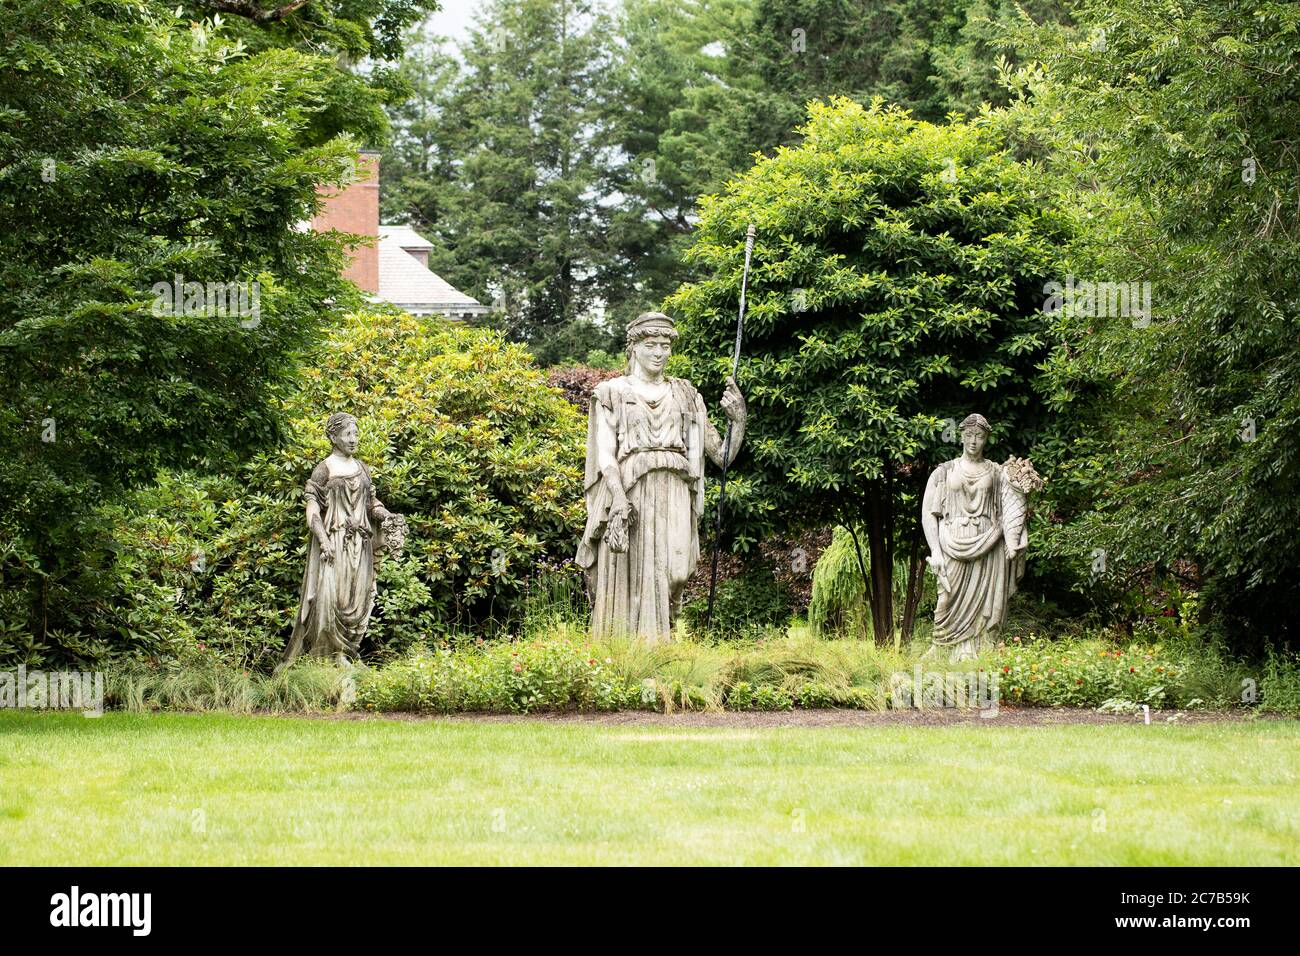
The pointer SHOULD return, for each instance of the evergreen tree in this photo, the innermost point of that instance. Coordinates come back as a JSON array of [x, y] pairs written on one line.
[[511, 194]]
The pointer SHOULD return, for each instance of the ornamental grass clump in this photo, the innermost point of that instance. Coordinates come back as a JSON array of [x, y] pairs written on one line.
[[308, 686]]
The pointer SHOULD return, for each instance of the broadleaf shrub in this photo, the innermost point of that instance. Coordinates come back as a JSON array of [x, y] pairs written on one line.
[[746, 606], [462, 435]]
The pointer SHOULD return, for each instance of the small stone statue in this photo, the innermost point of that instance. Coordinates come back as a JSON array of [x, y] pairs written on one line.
[[349, 527], [646, 440], [973, 516]]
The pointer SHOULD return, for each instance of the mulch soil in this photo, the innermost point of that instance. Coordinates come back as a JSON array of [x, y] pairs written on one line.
[[1005, 716]]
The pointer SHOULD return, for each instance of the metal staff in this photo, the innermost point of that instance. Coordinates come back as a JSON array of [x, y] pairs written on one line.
[[726, 444]]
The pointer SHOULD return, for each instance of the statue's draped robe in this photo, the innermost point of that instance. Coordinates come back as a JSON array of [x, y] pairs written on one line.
[[980, 579], [660, 455], [337, 596]]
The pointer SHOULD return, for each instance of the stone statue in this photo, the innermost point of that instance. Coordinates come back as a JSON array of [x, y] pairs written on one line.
[[973, 516], [647, 436], [349, 528]]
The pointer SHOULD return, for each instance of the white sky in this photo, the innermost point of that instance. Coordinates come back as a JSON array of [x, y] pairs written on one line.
[[454, 19]]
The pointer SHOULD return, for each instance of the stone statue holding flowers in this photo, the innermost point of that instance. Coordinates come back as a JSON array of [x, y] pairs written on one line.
[[974, 515], [647, 439], [349, 528]]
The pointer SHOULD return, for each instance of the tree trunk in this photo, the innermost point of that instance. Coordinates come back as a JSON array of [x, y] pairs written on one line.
[[915, 582], [880, 510]]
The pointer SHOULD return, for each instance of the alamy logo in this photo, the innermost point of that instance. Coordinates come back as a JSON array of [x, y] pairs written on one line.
[[65, 690], [925, 689], [103, 909], [1094, 300], [209, 299]]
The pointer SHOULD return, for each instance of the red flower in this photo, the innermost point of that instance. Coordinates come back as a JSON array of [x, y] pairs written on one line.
[[1130, 670], [1079, 681], [1006, 670]]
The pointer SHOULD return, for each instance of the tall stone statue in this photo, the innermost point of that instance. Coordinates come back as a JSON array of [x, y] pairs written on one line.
[[349, 527], [646, 440], [973, 516]]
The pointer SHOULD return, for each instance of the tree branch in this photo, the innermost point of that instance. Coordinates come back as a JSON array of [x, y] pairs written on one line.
[[250, 9]]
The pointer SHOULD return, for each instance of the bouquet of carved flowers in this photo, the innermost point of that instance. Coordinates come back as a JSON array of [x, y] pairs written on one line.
[[394, 531], [1021, 481]]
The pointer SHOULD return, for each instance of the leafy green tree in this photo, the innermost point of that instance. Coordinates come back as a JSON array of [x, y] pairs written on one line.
[[137, 148], [1173, 124], [350, 31], [698, 88], [897, 286]]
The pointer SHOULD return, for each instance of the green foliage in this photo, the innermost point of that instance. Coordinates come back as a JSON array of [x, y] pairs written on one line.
[[558, 672], [747, 605], [462, 436], [838, 605], [345, 32], [897, 287], [742, 696], [137, 146], [1171, 125], [502, 677], [1279, 685], [885, 299], [540, 108], [698, 88], [1086, 673], [561, 671]]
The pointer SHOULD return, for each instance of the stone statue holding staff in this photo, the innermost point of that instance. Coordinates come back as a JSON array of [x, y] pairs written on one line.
[[647, 437]]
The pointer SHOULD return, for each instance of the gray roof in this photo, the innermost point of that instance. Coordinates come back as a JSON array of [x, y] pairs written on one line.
[[405, 236], [404, 282]]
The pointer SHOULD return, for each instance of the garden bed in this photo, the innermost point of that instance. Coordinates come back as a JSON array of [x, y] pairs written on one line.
[[565, 673]]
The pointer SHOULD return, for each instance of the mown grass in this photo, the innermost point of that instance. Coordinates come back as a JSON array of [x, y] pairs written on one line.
[[221, 790]]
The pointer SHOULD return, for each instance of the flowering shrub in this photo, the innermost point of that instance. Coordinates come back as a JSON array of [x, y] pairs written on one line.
[[503, 677], [1046, 673]]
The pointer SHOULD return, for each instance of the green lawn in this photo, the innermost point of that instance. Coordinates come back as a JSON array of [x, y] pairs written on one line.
[[179, 789]]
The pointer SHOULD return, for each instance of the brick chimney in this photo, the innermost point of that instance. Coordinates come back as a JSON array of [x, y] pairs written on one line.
[[356, 210]]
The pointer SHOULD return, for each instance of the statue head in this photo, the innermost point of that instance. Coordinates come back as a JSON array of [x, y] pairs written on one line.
[[341, 430], [975, 430], [650, 338]]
